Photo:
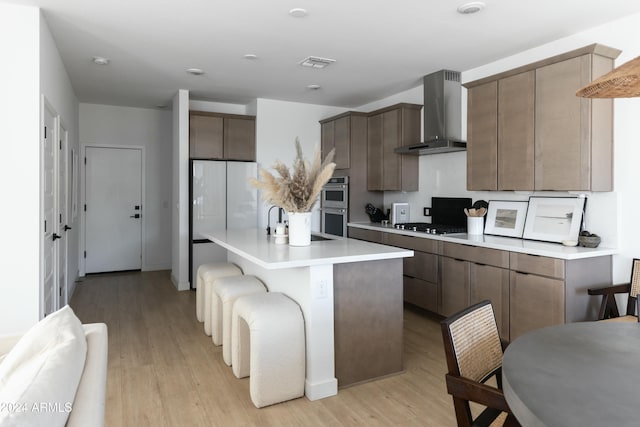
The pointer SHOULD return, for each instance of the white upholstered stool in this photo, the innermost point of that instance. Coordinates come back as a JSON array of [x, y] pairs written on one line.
[[226, 291], [268, 344], [209, 274]]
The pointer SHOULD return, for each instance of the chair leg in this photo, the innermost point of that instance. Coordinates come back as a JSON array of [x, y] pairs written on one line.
[[608, 308], [463, 412]]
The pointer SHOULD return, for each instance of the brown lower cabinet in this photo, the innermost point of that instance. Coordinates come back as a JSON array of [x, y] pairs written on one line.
[[492, 283], [535, 301], [526, 291]]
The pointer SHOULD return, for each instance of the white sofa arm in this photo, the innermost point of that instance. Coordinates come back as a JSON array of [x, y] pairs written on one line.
[[88, 405]]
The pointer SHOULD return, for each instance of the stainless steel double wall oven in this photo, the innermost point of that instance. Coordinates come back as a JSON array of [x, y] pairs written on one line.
[[334, 206]]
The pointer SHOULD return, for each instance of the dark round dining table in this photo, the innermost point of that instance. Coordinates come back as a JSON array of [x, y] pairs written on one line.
[[578, 374]]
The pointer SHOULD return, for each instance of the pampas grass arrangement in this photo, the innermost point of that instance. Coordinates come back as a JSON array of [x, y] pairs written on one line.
[[296, 190]]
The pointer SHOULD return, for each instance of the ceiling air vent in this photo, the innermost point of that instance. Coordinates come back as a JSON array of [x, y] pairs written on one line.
[[316, 62]]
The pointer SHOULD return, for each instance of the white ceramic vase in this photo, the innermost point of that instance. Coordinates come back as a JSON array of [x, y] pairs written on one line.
[[299, 228]]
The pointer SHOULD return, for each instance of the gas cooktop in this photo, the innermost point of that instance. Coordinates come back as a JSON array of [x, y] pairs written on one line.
[[426, 227]]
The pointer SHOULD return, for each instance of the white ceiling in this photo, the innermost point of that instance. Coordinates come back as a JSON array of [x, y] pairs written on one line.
[[381, 47]]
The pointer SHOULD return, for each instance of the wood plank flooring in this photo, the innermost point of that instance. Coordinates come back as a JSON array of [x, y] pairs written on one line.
[[163, 370]]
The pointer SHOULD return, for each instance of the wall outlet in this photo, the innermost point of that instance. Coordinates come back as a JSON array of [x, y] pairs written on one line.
[[322, 290], [426, 211]]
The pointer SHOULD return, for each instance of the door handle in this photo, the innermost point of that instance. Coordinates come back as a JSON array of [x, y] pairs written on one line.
[[135, 216], [56, 237], [66, 227]]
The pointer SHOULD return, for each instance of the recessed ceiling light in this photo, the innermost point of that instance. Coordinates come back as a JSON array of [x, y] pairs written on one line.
[[313, 87], [471, 7], [195, 71], [250, 56], [99, 60], [298, 12]]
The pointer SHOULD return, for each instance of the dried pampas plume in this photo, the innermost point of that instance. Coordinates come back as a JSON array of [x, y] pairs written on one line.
[[298, 190]]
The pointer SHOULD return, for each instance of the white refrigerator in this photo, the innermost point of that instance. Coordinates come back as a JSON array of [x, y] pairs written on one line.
[[221, 198]]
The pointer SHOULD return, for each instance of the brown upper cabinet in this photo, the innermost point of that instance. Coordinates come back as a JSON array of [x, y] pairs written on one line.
[[222, 136], [336, 134], [389, 128], [527, 130]]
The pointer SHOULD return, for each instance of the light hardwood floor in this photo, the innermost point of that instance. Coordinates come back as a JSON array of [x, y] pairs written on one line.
[[163, 370]]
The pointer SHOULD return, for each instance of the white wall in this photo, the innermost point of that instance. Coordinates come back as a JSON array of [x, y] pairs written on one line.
[[180, 191], [217, 107], [609, 214], [56, 86], [278, 123], [151, 129], [20, 167]]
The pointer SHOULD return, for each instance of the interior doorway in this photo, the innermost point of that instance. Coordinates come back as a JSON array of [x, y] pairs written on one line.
[[113, 209]]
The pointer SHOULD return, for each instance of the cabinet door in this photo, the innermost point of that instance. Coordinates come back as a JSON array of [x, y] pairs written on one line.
[[561, 130], [482, 137], [327, 137], [410, 134], [516, 96], [454, 285], [206, 137], [341, 142], [391, 169], [239, 139], [374, 153], [534, 302], [492, 283]]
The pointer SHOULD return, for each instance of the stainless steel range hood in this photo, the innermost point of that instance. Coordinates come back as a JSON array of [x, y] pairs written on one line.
[[442, 115]]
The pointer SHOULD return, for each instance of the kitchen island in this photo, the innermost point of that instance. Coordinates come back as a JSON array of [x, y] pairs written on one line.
[[350, 293]]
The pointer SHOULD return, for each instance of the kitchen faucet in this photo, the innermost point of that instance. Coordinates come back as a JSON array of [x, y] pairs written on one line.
[[280, 212]]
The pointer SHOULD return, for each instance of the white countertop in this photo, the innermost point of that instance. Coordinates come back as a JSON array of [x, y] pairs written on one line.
[[256, 246], [531, 247]]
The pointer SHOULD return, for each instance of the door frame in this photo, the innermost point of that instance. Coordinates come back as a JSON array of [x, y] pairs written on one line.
[[63, 299], [82, 200], [45, 105]]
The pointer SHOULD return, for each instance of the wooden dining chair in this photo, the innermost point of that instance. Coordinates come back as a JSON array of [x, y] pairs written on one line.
[[474, 354], [609, 307]]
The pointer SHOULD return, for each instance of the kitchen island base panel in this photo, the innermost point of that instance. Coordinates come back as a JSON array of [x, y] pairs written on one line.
[[368, 313]]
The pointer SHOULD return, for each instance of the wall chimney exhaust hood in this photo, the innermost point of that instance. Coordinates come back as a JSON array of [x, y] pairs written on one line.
[[442, 116]]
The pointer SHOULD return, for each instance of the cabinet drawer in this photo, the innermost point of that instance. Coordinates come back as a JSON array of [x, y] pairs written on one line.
[[545, 266], [368, 235], [414, 243], [476, 254], [421, 293], [422, 266]]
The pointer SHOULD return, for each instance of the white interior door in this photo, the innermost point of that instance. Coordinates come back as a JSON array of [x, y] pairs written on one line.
[[49, 237], [62, 194], [113, 209]]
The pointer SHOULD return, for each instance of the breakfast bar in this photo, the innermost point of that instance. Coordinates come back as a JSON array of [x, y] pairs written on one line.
[[350, 293]]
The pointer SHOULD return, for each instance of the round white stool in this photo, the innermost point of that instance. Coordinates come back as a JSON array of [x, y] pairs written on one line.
[[226, 291], [268, 344], [207, 274]]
